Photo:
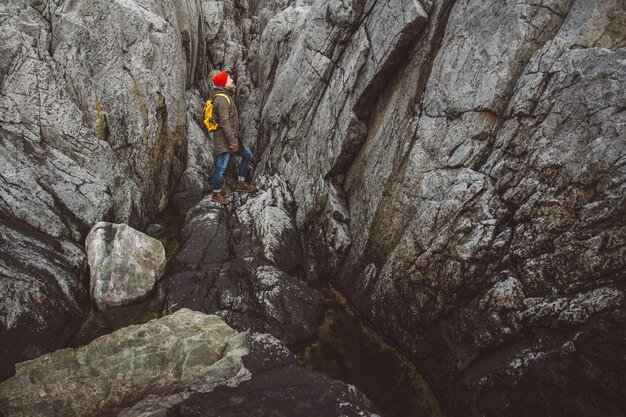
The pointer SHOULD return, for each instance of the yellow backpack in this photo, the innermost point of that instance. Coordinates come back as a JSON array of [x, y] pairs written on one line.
[[209, 120]]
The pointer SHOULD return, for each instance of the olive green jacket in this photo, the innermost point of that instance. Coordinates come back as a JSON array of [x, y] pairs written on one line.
[[227, 121]]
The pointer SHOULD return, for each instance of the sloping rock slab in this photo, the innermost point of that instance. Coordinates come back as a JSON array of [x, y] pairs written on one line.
[[225, 270], [279, 387], [182, 351], [42, 297]]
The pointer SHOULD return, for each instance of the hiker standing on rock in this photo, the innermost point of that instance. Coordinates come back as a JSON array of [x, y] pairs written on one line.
[[226, 138]]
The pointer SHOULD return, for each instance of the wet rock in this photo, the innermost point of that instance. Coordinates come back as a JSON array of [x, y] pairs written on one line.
[[279, 386], [231, 267], [125, 264], [155, 230], [175, 355], [481, 170], [43, 296]]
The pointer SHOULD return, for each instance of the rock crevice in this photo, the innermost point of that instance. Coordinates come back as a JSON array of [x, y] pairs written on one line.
[[455, 168]]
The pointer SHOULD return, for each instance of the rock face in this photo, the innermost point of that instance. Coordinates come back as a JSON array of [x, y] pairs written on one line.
[[42, 293], [92, 127], [235, 263], [125, 264], [196, 180], [174, 366], [458, 170]]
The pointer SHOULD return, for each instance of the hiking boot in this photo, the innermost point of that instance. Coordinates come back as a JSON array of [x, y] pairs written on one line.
[[244, 187], [219, 198]]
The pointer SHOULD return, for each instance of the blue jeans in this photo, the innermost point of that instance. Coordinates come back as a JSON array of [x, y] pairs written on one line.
[[221, 162]]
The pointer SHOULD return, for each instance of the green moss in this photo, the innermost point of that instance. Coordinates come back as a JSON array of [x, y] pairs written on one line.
[[143, 109]]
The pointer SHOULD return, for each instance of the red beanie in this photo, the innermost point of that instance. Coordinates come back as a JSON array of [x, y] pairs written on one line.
[[220, 79]]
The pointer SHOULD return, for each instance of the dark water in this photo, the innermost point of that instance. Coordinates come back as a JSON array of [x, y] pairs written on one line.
[[350, 351]]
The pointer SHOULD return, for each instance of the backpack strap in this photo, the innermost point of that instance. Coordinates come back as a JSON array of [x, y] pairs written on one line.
[[223, 95]]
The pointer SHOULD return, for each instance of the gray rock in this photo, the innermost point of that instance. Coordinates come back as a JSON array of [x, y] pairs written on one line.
[[178, 354], [480, 163], [342, 80], [268, 214], [279, 386], [92, 127], [125, 264], [505, 295], [155, 230], [43, 296], [186, 363], [231, 264], [196, 180], [567, 312], [101, 102], [455, 168]]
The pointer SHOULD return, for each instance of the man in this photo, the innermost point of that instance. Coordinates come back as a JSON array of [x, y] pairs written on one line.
[[226, 138]]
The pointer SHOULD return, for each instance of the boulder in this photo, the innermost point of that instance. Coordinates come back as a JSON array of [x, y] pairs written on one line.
[[175, 355], [125, 264]]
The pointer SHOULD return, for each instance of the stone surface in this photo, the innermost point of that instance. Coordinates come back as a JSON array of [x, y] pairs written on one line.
[[42, 294], [235, 263], [462, 181], [124, 263], [184, 364], [92, 127], [175, 355], [196, 180], [279, 387]]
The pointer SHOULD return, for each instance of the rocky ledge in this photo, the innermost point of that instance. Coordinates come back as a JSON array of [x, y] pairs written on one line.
[[184, 364], [236, 263]]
